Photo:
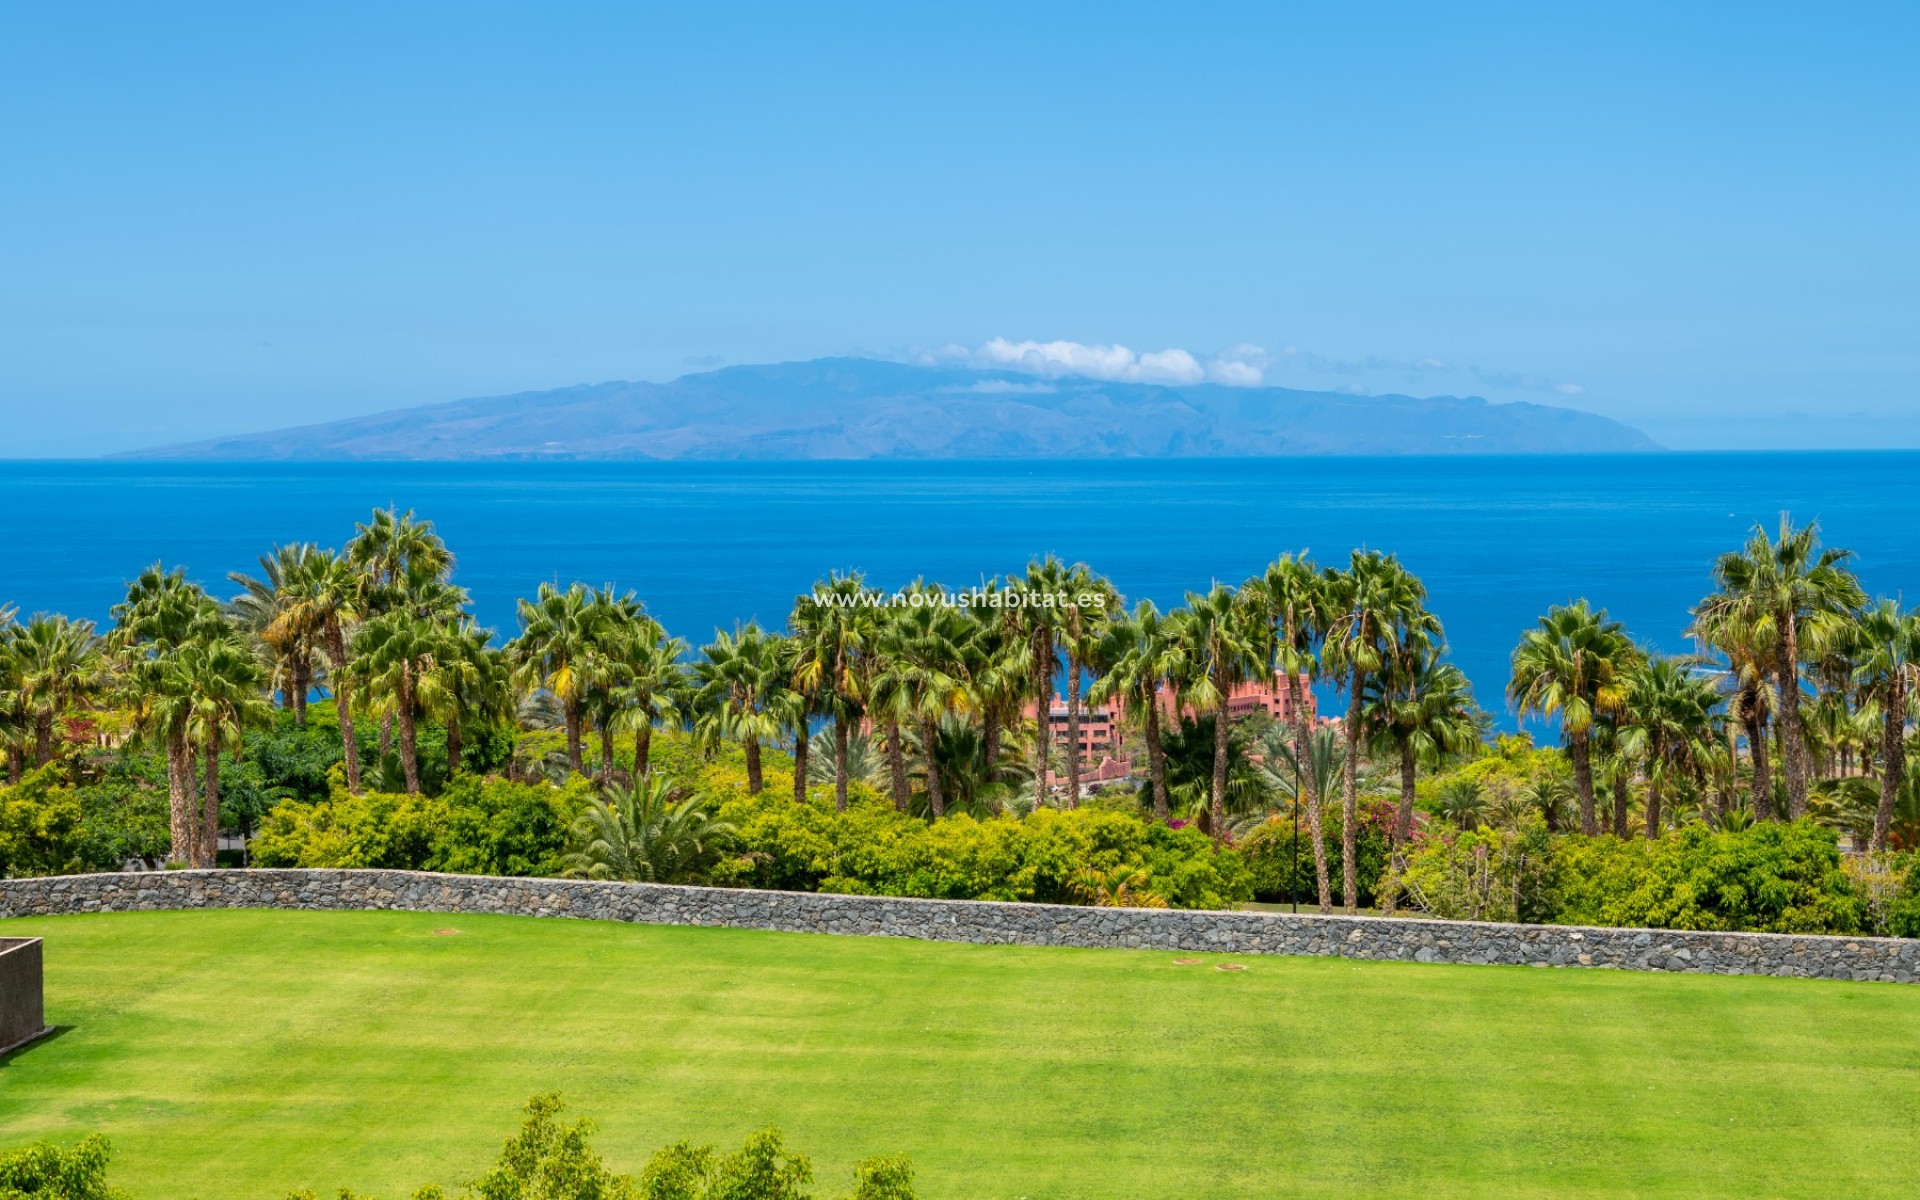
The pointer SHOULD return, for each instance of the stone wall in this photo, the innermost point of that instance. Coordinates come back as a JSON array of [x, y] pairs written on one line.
[[22, 1018], [1886, 959]]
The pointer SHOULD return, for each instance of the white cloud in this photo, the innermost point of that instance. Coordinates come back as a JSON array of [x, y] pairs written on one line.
[[1243, 366], [1569, 389]]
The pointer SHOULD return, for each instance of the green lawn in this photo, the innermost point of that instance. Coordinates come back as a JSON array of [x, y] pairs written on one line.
[[239, 1054]]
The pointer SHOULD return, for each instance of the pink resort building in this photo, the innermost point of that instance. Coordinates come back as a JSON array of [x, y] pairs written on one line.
[[1104, 752]]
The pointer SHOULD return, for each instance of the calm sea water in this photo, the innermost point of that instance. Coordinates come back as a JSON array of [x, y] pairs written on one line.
[[1496, 539]]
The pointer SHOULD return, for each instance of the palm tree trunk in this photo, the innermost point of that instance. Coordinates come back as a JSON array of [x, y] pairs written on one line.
[[1893, 754], [1652, 813], [1307, 784], [642, 749], [800, 749], [208, 841], [42, 738], [302, 682], [349, 747], [1762, 771], [1793, 741], [1073, 730], [897, 761], [754, 779], [15, 764], [180, 798], [841, 734], [990, 743], [1157, 765], [1620, 801], [576, 753], [1350, 801], [386, 733], [1217, 796], [936, 794], [1580, 750], [1402, 825], [455, 748], [606, 749], [409, 761], [1043, 733]]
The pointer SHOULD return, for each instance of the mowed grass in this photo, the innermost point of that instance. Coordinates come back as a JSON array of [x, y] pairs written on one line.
[[243, 1054]]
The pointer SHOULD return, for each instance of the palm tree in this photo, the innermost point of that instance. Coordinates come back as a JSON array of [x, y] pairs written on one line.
[[1141, 654], [1375, 609], [224, 688], [57, 662], [164, 613], [561, 649], [396, 656], [325, 596], [471, 683], [654, 687], [833, 629], [1790, 581], [736, 678], [923, 648], [397, 553], [1306, 780], [15, 725], [1672, 705], [1217, 648], [1573, 666], [1292, 597], [259, 611], [1888, 671], [1744, 637], [1419, 707], [648, 833], [1039, 627]]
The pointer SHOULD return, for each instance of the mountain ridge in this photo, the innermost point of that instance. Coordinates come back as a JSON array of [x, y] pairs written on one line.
[[856, 408]]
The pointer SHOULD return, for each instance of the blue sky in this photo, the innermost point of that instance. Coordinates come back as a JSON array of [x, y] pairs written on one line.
[[1700, 219]]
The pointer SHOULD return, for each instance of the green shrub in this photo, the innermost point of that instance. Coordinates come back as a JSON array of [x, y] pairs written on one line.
[[42, 826], [476, 826], [1771, 877], [871, 849], [43, 1171], [1483, 875]]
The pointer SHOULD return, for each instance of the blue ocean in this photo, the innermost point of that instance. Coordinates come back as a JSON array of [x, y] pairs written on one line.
[[1497, 539]]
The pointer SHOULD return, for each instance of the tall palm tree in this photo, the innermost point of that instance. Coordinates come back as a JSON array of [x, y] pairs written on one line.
[[15, 724], [1793, 582], [1418, 708], [1672, 704], [224, 688], [1744, 637], [561, 649], [57, 662], [1218, 637], [163, 613], [736, 678], [397, 657], [923, 647], [272, 610], [319, 600], [1292, 597], [1376, 608], [834, 628], [1888, 671], [655, 691], [1573, 666], [999, 672], [396, 551], [1142, 654]]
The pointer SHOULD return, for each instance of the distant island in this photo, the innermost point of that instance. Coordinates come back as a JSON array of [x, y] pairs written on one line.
[[857, 408]]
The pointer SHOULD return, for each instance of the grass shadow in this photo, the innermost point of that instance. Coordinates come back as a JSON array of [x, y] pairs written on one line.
[[52, 1033]]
